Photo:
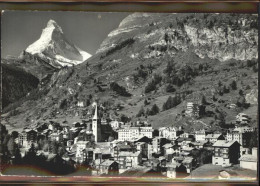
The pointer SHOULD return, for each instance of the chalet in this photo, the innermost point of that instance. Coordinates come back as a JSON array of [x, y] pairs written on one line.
[[129, 160], [184, 141], [80, 104], [108, 167], [177, 159], [176, 170], [162, 160], [87, 155], [115, 124], [192, 109], [225, 153], [168, 148], [157, 144], [176, 149], [200, 135], [23, 139], [102, 153], [189, 163], [123, 147], [32, 135], [186, 149], [242, 118], [80, 146], [209, 146], [27, 137], [171, 169], [199, 144], [56, 136], [143, 148]]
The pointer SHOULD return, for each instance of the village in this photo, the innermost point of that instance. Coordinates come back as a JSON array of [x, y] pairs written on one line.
[[116, 148]]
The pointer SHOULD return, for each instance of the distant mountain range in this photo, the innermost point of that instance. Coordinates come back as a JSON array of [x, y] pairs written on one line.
[[143, 62]]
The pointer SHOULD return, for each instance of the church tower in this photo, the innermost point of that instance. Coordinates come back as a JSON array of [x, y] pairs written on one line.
[[96, 125]]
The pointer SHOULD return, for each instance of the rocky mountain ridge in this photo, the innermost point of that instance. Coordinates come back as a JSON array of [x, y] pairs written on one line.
[[177, 32]]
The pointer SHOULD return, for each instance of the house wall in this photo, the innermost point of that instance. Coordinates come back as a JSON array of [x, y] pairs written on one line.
[[220, 161], [248, 165], [171, 174], [200, 137], [234, 153]]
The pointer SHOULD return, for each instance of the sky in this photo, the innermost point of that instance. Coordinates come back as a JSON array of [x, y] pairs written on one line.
[[86, 30]]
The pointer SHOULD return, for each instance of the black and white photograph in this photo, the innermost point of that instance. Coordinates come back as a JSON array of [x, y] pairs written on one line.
[[155, 96]]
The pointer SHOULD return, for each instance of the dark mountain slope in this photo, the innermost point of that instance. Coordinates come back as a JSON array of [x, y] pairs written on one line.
[[16, 83]]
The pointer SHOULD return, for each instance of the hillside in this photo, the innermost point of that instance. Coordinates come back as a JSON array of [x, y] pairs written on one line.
[[153, 56], [16, 84]]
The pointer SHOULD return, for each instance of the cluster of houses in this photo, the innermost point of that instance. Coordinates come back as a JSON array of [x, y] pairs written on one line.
[[138, 148]]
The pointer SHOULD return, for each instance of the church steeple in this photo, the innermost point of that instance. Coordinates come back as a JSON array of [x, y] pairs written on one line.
[[96, 111], [96, 124]]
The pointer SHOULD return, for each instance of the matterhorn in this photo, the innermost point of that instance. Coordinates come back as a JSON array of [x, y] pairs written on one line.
[[54, 49]]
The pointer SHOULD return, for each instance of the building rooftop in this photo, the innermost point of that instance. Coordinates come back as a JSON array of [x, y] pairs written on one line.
[[213, 136], [187, 160], [199, 142], [82, 142], [140, 143], [102, 150], [223, 143], [168, 145], [107, 162], [161, 158], [185, 148], [180, 139], [129, 154], [172, 164]]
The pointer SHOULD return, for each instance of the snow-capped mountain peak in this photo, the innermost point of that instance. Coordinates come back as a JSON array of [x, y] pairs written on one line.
[[53, 46]]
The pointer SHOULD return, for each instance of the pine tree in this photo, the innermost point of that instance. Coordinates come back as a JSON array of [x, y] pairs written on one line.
[[11, 146], [147, 113], [241, 93], [154, 110], [225, 89], [219, 83], [170, 88], [233, 85], [145, 102], [214, 98], [203, 100], [171, 102], [17, 157]]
